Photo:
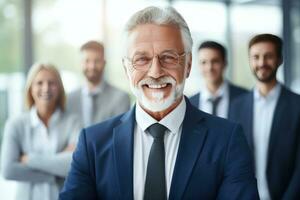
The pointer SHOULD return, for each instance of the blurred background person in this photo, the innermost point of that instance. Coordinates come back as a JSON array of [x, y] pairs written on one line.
[[270, 116], [38, 144], [97, 100], [217, 93]]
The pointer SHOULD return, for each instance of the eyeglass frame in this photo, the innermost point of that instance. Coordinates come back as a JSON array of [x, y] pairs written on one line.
[[157, 56]]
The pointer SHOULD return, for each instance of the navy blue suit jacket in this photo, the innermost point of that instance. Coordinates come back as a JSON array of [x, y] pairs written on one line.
[[283, 162], [213, 161], [234, 92]]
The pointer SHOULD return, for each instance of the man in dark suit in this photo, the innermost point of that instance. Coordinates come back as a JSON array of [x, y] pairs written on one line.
[[163, 148], [217, 94], [270, 116]]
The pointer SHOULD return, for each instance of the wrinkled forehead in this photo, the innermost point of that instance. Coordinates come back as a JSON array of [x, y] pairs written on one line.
[[151, 38]]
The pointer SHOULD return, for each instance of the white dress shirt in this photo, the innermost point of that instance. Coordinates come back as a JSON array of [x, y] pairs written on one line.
[[87, 103], [143, 142], [206, 105], [44, 142], [264, 108], [41, 176]]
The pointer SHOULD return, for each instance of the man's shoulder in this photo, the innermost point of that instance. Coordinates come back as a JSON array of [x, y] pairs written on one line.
[[113, 88], [238, 90], [287, 93], [290, 101], [214, 124], [243, 98], [218, 131], [114, 91], [219, 124], [194, 99], [194, 96]]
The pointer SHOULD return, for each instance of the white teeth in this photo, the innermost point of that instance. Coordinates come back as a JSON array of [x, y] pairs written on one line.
[[45, 96], [157, 86]]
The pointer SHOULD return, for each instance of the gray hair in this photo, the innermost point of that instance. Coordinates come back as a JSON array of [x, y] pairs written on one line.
[[161, 16]]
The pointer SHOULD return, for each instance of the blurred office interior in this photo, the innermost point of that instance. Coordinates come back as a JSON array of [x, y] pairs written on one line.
[[53, 31]]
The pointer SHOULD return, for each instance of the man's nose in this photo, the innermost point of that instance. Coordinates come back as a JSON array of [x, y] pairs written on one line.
[[93, 65], [155, 69], [209, 66], [261, 61]]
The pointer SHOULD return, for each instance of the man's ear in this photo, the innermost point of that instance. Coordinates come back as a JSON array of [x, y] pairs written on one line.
[[124, 67], [280, 61], [189, 65], [104, 65]]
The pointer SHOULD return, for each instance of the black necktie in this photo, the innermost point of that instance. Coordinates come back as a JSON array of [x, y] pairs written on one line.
[[155, 185], [215, 102]]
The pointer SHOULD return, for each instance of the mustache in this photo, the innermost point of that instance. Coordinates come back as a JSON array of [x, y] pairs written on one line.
[[159, 81], [267, 67]]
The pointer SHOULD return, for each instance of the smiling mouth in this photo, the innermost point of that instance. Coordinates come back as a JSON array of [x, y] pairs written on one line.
[[45, 97], [157, 86]]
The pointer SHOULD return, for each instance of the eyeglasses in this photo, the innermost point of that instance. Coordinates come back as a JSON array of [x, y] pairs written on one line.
[[168, 60]]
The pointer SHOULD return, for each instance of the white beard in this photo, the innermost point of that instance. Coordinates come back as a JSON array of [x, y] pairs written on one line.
[[158, 102]]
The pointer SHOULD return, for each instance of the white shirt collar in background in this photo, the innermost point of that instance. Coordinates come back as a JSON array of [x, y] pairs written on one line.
[[36, 121], [273, 94], [205, 102], [221, 92], [97, 90]]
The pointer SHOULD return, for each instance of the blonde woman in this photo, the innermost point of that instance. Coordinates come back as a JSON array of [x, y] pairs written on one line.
[[38, 145]]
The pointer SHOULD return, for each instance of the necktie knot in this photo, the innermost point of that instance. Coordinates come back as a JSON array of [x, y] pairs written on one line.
[[157, 130], [215, 100], [93, 95]]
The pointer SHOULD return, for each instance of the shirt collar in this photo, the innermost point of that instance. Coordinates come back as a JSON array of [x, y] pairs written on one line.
[[221, 92], [36, 121], [99, 89], [172, 121], [273, 94]]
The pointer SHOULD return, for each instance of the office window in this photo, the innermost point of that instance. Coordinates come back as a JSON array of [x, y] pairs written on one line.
[[204, 25], [10, 36], [295, 64]]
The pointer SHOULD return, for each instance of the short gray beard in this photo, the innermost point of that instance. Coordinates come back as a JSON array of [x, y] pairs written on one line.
[[159, 103]]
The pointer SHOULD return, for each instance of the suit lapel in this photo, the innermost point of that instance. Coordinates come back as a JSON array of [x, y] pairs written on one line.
[[191, 142], [196, 100], [77, 104], [277, 123], [123, 154], [248, 120], [232, 94]]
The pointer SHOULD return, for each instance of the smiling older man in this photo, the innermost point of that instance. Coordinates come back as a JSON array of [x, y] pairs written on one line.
[[163, 148]]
